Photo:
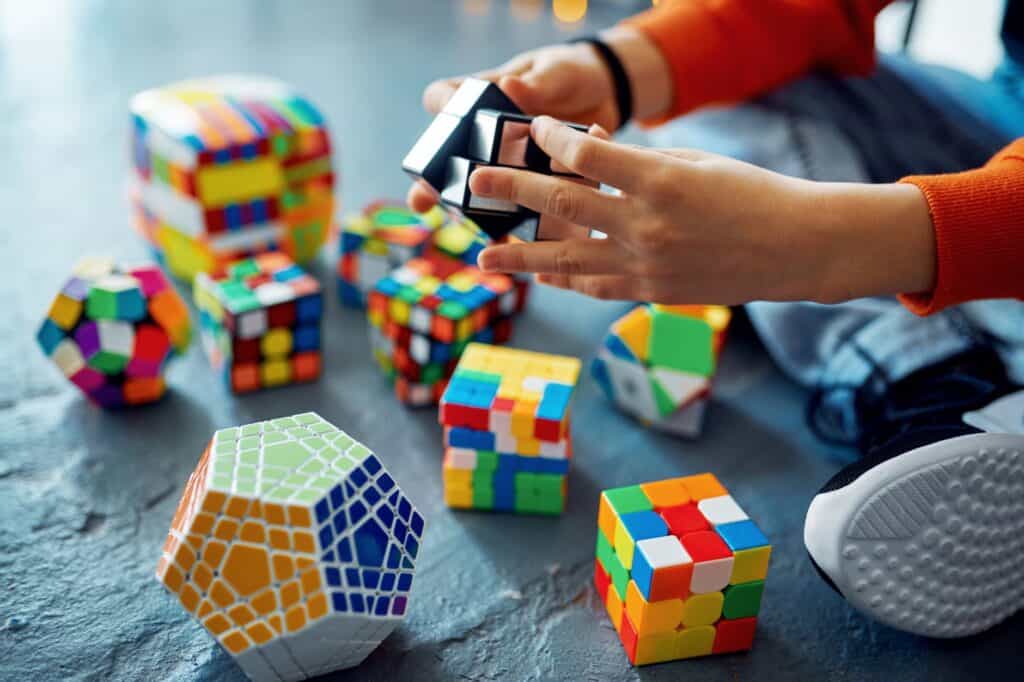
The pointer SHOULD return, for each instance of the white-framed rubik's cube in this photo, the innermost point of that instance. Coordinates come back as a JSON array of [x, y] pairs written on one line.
[[111, 331], [293, 546], [424, 314], [680, 567], [260, 322], [227, 167], [507, 430], [481, 126], [657, 363]]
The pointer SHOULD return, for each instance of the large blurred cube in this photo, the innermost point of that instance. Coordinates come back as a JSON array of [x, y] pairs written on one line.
[[680, 568], [507, 430], [111, 330], [293, 546], [227, 167], [423, 315], [260, 322], [657, 363]]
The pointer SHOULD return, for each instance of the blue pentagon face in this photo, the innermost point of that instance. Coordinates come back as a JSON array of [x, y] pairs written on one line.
[[369, 534]]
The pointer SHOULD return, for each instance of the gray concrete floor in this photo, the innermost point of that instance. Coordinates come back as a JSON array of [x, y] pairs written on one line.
[[86, 496]]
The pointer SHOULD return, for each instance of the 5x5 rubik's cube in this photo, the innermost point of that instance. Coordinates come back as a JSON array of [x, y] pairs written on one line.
[[680, 567], [423, 315], [227, 167], [506, 437], [111, 331], [657, 362], [260, 322]]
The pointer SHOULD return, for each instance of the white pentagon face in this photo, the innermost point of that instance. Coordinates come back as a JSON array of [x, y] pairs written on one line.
[[293, 546]]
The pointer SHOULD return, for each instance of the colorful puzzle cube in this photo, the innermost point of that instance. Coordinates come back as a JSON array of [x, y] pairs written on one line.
[[260, 322], [378, 240], [227, 167], [506, 435], [293, 546], [680, 568], [657, 362], [424, 314], [111, 330]]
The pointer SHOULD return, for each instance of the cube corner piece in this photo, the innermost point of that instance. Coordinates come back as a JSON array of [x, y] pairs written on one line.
[[680, 568], [293, 546]]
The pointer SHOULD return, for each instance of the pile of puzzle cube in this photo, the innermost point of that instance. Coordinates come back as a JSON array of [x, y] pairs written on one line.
[[260, 322], [657, 362], [680, 567], [111, 331], [293, 546], [227, 167], [506, 430]]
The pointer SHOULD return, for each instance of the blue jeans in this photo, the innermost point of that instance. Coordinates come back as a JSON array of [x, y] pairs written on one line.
[[906, 118]]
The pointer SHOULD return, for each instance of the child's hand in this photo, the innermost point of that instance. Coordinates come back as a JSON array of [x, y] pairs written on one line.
[[691, 227]]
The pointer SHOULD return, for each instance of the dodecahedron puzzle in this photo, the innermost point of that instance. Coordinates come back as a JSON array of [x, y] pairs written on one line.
[[657, 362], [507, 432], [293, 546], [383, 237], [481, 126], [424, 314], [680, 568], [227, 167], [111, 330], [260, 322]]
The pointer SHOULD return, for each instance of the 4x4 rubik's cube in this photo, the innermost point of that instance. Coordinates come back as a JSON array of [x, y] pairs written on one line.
[[507, 441], [293, 546], [680, 567], [424, 314], [657, 362], [383, 237], [260, 322], [111, 331], [227, 167]]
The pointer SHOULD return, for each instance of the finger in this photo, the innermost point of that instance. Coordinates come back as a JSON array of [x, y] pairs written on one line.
[[437, 94], [552, 196], [570, 257], [420, 197], [551, 228], [604, 287], [688, 154], [612, 164]]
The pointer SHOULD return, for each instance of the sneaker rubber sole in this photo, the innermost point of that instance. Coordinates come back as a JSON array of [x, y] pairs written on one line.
[[930, 541]]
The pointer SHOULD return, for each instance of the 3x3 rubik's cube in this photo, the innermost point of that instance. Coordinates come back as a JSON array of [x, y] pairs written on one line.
[[657, 362], [111, 331], [507, 432], [680, 567], [260, 322], [481, 126], [424, 314], [227, 167]]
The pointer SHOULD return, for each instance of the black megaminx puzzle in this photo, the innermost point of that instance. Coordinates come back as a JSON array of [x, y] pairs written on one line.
[[480, 126]]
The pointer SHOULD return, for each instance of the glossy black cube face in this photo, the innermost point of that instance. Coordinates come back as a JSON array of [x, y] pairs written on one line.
[[480, 126]]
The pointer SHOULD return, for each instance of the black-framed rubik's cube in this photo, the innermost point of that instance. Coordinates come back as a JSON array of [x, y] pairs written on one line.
[[507, 430], [481, 126], [680, 567], [260, 322], [424, 314]]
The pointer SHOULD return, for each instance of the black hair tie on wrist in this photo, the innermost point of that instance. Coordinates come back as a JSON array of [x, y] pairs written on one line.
[[623, 90]]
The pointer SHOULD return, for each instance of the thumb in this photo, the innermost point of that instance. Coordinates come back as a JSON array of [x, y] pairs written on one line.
[[539, 90]]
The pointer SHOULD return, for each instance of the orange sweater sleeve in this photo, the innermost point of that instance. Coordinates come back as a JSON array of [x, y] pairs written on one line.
[[979, 232], [730, 50]]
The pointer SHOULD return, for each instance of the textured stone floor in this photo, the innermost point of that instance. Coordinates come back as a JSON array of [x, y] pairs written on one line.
[[86, 497]]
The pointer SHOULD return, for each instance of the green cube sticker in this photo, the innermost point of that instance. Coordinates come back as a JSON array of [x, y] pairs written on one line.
[[628, 500], [681, 343], [743, 600]]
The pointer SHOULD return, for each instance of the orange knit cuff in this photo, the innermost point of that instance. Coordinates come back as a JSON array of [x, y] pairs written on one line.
[[978, 217]]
